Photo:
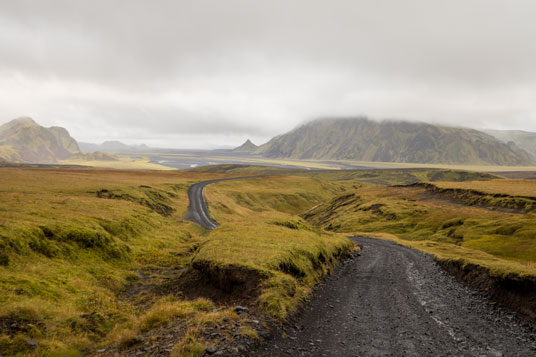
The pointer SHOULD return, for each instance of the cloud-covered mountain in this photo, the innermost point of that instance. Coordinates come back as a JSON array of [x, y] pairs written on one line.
[[524, 139], [393, 141]]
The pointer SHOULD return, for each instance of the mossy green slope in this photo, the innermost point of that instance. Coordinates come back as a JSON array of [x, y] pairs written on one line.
[[392, 141], [498, 224], [96, 258], [23, 140]]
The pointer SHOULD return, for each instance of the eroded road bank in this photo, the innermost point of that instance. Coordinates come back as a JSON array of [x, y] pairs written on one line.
[[395, 301]]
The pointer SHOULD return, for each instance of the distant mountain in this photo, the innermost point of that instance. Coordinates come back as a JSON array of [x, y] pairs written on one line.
[[361, 139], [23, 140], [524, 139], [111, 146], [248, 146]]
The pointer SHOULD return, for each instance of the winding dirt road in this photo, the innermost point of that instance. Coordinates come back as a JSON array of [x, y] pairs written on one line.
[[395, 301], [198, 209]]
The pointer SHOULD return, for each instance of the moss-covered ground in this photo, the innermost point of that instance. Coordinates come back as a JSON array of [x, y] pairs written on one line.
[[96, 259], [87, 255], [481, 222]]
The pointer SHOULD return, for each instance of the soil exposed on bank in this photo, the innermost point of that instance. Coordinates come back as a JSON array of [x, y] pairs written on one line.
[[396, 301]]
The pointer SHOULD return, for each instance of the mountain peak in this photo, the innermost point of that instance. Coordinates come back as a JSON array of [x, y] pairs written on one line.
[[23, 120], [248, 146], [19, 122], [26, 141]]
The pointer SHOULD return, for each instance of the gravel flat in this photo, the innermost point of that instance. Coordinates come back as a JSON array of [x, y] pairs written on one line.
[[396, 301]]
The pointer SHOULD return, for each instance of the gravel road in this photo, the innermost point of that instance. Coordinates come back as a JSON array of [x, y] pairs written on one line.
[[198, 209], [395, 301]]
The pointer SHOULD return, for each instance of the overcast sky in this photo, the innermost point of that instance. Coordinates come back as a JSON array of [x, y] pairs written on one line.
[[213, 73]]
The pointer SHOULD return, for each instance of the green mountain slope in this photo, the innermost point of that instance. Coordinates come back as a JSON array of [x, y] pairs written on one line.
[[23, 140], [391, 141], [524, 139], [248, 146]]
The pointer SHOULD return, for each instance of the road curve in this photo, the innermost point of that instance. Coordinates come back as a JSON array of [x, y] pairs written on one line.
[[198, 210], [395, 301]]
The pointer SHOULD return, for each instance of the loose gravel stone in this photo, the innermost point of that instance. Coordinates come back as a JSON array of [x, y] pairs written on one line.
[[396, 301]]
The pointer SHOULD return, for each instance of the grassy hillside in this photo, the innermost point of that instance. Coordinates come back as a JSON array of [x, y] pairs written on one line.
[[389, 141], [491, 223], [23, 140], [94, 259]]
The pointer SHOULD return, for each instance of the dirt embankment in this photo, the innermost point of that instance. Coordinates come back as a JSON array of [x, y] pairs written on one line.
[[515, 292]]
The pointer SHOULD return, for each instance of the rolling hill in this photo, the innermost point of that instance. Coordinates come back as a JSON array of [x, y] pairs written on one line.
[[23, 140], [361, 139]]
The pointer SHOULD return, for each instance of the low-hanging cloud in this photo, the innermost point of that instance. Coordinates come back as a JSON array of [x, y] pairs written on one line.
[[175, 72]]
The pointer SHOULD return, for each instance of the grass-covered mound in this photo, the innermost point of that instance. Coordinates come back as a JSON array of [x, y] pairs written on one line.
[[265, 211]]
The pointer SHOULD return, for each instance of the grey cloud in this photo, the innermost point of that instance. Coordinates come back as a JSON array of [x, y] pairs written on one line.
[[239, 67]]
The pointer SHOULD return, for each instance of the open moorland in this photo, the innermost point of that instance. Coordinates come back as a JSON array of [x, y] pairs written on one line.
[[103, 261]]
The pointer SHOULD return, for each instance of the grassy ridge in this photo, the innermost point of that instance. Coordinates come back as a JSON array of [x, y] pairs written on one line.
[[263, 232], [389, 176], [87, 256], [23, 140], [415, 215], [67, 254], [517, 187]]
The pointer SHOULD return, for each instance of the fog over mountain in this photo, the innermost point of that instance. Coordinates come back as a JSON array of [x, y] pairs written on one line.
[[209, 74], [389, 141]]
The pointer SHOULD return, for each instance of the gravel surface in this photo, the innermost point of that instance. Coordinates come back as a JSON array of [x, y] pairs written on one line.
[[198, 209], [396, 301]]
